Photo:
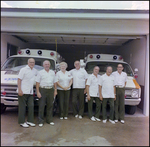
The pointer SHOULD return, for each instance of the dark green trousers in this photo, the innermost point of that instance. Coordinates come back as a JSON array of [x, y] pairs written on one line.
[[104, 106], [90, 107], [25, 100], [63, 99], [46, 99], [78, 95], [119, 104]]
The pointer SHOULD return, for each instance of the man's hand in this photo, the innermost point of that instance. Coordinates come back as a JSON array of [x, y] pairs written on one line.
[[101, 98], [88, 97], [39, 95], [85, 91], [115, 98], [20, 93]]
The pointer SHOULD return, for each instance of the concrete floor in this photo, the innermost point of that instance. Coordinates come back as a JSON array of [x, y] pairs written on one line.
[[75, 132]]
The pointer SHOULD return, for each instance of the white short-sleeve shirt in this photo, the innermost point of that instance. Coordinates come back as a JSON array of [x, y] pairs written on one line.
[[63, 79], [93, 83], [27, 76], [107, 83], [79, 77], [120, 79], [46, 78]]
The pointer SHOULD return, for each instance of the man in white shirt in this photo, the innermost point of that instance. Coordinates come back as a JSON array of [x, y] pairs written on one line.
[[79, 80], [120, 82], [93, 94], [107, 92], [46, 91], [26, 79]]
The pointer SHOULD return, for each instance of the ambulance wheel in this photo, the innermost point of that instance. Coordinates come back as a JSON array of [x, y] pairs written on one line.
[[3, 108], [130, 109], [55, 105]]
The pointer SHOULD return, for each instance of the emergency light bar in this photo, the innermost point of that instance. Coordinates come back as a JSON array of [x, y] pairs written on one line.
[[104, 57]]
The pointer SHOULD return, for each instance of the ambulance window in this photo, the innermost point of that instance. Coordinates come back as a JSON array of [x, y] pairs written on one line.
[[103, 65], [16, 63]]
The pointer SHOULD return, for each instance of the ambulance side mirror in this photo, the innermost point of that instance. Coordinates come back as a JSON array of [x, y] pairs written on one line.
[[135, 72], [82, 64], [57, 67]]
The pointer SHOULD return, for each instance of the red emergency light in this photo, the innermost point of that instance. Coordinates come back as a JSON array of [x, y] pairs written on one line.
[[91, 56], [20, 52], [135, 76], [52, 54], [4, 93], [120, 58]]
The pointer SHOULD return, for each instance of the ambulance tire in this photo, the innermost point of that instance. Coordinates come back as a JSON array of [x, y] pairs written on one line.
[[130, 109], [3, 108], [55, 105]]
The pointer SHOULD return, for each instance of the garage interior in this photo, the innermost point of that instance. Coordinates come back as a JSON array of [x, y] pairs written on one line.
[[76, 47], [78, 33]]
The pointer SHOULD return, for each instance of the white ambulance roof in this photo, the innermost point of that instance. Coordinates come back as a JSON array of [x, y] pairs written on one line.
[[39, 53], [102, 57]]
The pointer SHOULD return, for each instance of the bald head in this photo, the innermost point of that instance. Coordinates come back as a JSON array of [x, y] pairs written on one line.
[[46, 62], [46, 65], [96, 70], [31, 63], [108, 70], [77, 64]]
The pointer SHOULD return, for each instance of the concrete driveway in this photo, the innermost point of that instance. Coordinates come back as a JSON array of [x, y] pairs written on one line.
[[75, 132]]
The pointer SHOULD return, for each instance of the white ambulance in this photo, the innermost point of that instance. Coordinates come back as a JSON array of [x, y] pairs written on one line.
[[10, 70], [132, 89]]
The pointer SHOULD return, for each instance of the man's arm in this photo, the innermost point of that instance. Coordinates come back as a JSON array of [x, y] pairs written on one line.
[[20, 93], [100, 93], [115, 93], [87, 90], [55, 89], [37, 90], [125, 84]]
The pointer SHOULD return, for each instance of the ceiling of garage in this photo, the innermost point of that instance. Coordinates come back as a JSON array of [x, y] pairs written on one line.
[[75, 39]]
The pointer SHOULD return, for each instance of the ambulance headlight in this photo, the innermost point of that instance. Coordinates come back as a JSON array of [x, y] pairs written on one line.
[[114, 57], [28, 52], [98, 56], [135, 93], [39, 52]]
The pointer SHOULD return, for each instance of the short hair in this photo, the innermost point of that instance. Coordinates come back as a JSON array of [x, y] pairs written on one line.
[[76, 61], [46, 61], [63, 63], [119, 64], [108, 66], [95, 67], [30, 59]]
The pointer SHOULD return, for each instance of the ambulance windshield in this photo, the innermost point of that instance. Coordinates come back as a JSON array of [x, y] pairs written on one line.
[[102, 65], [16, 63]]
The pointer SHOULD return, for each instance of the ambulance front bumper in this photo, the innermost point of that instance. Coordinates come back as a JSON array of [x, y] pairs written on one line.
[[132, 102], [13, 101], [9, 101]]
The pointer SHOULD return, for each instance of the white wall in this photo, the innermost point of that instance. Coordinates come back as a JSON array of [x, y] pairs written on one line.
[[146, 92], [136, 49], [14, 41]]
